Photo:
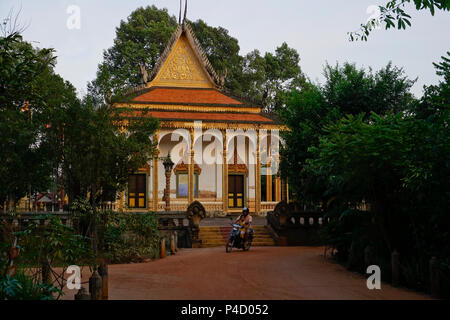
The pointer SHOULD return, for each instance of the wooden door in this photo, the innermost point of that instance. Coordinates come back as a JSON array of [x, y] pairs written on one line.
[[137, 191], [235, 191]]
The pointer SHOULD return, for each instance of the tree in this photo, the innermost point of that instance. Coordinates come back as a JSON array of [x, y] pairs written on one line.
[[355, 90], [364, 160], [11, 24], [268, 78], [30, 92], [306, 114], [347, 90], [100, 153], [393, 14], [223, 53], [139, 40], [398, 165], [436, 98]]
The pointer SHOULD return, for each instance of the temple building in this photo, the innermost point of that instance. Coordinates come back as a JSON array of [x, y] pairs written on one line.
[[224, 148]]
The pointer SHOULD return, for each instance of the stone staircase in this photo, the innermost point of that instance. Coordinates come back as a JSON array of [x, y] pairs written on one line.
[[218, 236]]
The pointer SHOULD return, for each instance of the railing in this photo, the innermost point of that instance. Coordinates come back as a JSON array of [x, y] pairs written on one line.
[[22, 219], [24, 206], [268, 206], [291, 227], [296, 220], [175, 223], [211, 207], [184, 224]]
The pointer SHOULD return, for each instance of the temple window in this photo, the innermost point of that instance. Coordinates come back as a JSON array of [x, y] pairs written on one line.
[[183, 185]]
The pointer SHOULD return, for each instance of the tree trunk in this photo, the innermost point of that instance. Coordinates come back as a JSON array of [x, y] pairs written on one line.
[[94, 221]]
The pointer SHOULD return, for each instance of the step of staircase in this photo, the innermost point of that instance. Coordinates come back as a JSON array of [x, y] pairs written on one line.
[[218, 236]]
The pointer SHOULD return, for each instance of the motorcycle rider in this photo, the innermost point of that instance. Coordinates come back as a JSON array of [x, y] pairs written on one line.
[[245, 220]]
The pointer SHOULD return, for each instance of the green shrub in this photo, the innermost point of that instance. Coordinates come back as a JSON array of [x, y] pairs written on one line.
[[23, 287], [54, 242], [53, 245], [128, 237]]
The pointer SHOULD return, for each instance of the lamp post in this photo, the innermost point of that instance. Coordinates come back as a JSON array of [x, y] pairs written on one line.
[[168, 166]]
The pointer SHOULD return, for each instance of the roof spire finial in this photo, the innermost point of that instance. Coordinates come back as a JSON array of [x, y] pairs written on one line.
[[179, 16], [185, 13]]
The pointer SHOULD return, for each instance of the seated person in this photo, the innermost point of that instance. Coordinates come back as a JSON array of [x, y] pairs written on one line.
[[245, 220]]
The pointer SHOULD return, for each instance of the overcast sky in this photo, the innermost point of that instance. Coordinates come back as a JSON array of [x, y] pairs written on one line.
[[317, 29]]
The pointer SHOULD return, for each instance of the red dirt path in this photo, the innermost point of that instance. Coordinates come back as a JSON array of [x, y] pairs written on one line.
[[285, 273]]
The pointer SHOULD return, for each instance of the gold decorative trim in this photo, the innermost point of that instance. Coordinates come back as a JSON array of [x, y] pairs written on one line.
[[258, 176], [144, 169], [277, 189], [198, 108], [191, 168], [182, 167], [238, 169], [155, 174], [221, 125], [225, 173], [164, 124]]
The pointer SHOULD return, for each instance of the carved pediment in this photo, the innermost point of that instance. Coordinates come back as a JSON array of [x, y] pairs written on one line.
[[182, 68], [238, 166], [238, 169], [182, 167]]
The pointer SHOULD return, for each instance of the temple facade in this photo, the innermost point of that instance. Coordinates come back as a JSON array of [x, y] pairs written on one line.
[[224, 148]]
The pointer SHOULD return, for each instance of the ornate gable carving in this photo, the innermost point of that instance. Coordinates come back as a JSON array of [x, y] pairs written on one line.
[[182, 68]]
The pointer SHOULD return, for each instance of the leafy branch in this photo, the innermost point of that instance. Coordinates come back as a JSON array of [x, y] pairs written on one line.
[[11, 24], [393, 15]]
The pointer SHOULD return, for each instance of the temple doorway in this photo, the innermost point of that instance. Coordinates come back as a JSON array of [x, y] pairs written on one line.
[[235, 191]]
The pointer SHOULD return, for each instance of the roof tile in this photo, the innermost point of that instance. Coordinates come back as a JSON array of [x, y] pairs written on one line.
[[186, 96], [205, 116]]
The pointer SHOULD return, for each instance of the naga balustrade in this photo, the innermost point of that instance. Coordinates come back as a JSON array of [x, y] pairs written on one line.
[[290, 226]]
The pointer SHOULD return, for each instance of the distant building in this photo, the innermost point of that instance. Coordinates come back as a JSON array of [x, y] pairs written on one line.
[[42, 202]]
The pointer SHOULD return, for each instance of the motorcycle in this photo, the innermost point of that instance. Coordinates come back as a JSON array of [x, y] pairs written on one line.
[[235, 240]]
